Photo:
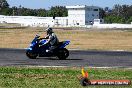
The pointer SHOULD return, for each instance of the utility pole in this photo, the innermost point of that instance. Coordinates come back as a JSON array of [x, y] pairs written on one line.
[[13, 12]]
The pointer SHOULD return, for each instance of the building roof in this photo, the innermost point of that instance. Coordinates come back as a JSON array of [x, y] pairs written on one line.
[[76, 6], [80, 7]]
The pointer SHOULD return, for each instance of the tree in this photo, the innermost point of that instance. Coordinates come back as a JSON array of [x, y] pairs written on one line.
[[114, 19], [7, 11], [14, 10], [125, 12], [101, 13], [41, 12], [3, 6], [58, 11], [129, 20], [119, 14], [117, 9]]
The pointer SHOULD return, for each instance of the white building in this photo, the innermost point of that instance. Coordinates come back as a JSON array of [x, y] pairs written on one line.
[[77, 16], [82, 15]]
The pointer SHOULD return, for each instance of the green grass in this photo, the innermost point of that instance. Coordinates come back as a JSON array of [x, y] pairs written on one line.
[[27, 77]]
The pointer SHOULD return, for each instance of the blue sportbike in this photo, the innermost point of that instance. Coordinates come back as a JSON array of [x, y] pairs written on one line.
[[38, 49]]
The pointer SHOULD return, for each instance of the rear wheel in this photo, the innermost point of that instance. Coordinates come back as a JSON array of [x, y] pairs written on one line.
[[63, 54], [31, 55]]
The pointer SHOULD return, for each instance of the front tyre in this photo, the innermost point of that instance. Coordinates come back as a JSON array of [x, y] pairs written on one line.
[[63, 54], [31, 55]]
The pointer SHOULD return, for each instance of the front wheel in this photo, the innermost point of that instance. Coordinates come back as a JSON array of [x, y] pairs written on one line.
[[63, 54], [31, 55]]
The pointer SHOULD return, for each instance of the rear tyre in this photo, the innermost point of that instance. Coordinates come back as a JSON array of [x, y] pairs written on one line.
[[63, 54], [31, 55]]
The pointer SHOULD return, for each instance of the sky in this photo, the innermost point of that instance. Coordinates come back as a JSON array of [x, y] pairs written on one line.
[[35, 4]]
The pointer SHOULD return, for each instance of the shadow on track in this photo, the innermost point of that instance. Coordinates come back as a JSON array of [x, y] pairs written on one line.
[[53, 58]]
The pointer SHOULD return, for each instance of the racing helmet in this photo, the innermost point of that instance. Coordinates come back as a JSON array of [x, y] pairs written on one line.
[[49, 30]]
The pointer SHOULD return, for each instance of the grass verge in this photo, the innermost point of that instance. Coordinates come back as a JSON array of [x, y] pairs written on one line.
[[27, 77]]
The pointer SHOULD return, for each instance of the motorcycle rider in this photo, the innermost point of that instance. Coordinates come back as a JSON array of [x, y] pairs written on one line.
[[52, 40]]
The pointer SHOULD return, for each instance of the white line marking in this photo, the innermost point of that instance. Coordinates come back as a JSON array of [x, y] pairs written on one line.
[[80, 67]]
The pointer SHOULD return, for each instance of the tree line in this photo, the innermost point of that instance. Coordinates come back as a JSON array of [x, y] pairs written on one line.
[[58, 11], [118, 14]]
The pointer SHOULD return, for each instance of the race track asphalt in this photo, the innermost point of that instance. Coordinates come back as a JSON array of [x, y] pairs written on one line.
[[17, 57]]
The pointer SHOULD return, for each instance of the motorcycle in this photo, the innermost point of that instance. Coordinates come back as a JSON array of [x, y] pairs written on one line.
[[39, 49]]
